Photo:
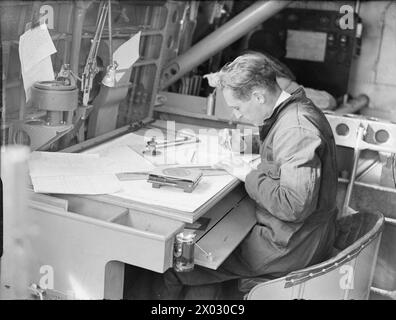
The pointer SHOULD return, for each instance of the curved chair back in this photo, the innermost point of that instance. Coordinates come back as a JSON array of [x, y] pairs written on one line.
[[347, 275]]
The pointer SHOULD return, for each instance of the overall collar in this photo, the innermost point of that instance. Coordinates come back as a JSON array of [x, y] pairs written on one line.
[[270, 120], [282, 97]]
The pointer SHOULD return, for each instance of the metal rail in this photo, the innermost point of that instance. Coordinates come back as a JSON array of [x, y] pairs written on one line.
[[221, 38]]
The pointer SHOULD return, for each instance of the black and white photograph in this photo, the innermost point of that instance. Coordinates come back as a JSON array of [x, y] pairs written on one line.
[[219, 151]]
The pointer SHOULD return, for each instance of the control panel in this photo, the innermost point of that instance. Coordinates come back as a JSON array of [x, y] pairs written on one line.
[[314, 44]]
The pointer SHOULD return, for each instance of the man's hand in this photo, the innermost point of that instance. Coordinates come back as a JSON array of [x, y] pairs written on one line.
[[235, 166]]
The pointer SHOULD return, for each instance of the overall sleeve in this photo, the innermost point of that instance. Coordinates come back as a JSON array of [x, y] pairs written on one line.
[[293, 196]]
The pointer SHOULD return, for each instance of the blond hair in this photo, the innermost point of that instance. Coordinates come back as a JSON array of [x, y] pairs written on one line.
[[246, 73]]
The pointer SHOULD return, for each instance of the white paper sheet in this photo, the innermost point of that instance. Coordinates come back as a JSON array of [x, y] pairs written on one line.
[[205, 153], [35, 49], [43, 71], [35, 45], [127, 150], [125, 140], [126, 55], [55, 172], [124, 159], [120, 150], [89, 185]]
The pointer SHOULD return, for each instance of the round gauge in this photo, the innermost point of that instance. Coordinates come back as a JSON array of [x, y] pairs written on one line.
[[342, 129], [381, 136]]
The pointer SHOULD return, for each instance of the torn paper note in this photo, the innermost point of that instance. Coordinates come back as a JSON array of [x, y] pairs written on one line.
[[35, 45], [56, 172], [35, 49], [43, 71], [126, 55]]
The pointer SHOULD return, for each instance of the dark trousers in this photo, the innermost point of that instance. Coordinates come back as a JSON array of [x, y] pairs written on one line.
[[308, 248], [201, 283], [198, 284], [305, 249]]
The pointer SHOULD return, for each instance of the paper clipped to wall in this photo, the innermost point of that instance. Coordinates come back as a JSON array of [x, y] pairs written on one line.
[[35, 50]]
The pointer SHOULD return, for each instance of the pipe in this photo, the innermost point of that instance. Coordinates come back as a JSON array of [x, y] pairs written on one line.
[[368, 185], [79, 16], [360, 134], [384, 293], [354, 105], [390, 221], [368, 169], [221, 38]]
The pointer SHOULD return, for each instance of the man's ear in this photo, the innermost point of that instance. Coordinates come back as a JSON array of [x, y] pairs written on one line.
[[259, 96]]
